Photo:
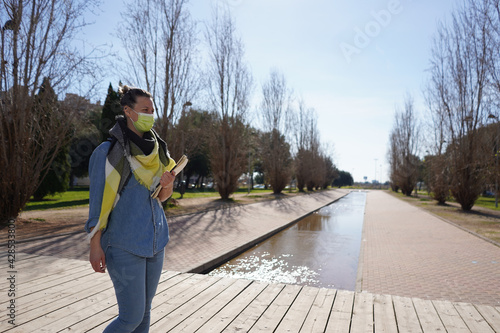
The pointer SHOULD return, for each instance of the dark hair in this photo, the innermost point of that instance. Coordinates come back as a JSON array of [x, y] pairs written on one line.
[[129, 95]]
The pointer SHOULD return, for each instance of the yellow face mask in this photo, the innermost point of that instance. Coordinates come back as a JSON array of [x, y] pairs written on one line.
[[145, 121]]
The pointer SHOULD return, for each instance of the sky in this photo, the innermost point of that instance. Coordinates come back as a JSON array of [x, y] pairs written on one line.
[[352, 61]]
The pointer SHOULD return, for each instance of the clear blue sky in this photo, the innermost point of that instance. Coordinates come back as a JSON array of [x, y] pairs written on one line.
[[352, 61]]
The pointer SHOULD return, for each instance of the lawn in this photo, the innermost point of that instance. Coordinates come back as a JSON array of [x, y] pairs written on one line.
[[482, 201], [76, 197], [486, 202]]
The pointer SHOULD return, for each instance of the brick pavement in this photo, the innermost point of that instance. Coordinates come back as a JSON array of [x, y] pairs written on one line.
[[409, 252]]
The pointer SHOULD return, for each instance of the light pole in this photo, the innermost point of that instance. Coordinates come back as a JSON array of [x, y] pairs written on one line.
[[182, 189], [491, 116], [250, 172], [9, 25]]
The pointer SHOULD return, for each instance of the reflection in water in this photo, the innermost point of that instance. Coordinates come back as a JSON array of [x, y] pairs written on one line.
[[321, 250]]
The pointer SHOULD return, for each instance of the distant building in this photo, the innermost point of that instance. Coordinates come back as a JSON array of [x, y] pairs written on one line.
[[80, 105]]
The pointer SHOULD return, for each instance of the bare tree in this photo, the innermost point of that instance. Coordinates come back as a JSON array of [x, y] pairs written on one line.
[[160, 39], [437, 176], [36, 43], [394, 160], [459, 74], [276, 156], [229, 83], [404, 146], [331, 172], [308, 169], [276, 160], [489, 10]]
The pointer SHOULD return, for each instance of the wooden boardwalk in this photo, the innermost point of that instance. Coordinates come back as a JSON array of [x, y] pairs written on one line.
[[64, 295]]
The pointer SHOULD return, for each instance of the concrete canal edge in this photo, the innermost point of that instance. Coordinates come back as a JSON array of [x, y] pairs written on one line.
[[218, 261]]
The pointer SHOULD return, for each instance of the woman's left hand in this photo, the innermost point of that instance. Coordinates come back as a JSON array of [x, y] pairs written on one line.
[[167, 179]]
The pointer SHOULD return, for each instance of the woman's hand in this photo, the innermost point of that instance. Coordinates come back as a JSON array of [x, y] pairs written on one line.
[[97, 257], [167, 179], [167, 184]]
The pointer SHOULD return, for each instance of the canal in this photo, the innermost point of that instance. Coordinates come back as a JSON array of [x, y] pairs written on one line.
[[321, 250]]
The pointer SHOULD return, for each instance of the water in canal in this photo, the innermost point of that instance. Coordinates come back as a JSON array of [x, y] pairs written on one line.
[[321, 250]]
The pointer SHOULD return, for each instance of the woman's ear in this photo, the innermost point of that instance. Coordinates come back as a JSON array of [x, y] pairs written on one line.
[[126, 110]]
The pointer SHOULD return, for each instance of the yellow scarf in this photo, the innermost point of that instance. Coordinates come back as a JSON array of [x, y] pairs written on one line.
[[124, 156]]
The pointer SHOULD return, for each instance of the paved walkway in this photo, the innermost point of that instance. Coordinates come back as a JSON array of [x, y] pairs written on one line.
[[409, 252], [405, 250]]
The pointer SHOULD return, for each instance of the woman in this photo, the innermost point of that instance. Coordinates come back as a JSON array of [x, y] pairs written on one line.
[[127, 227]]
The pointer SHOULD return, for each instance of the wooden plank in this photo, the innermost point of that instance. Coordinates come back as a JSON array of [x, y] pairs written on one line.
[[182, 282], [96, 323], [30, 290], [23, 254], [428, 316], [63, 317], [223, 318], [64, 294], [473, 318], [169, 302], [41, 267], [383, 314], [171, 280], [210, 309], [276, 310], [340, 318], [81, 309], [86, 309], [406, 316], [52, 301], [50, 281], [362, 313], [21, 260], [317, 318], [32, 272], [248, 317], [491, 315], [100, 328], [450, 317], [192, 304], [296, 315]]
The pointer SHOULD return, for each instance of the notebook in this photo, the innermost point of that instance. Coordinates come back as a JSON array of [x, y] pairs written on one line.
[[177, 169]]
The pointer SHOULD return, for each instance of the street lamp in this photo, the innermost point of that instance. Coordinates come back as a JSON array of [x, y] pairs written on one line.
[[491, 116], [182, 189], [9, 25]]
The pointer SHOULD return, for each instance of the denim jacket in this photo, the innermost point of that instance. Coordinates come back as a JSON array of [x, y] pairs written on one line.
[[137, 223]]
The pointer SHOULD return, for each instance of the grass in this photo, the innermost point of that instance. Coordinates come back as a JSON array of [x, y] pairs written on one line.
[[486, 202], [207, 193], [79, 197], [482, 201], [76, 197]]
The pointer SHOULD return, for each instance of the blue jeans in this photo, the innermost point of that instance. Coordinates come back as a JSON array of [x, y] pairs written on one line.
[[135, 280]]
